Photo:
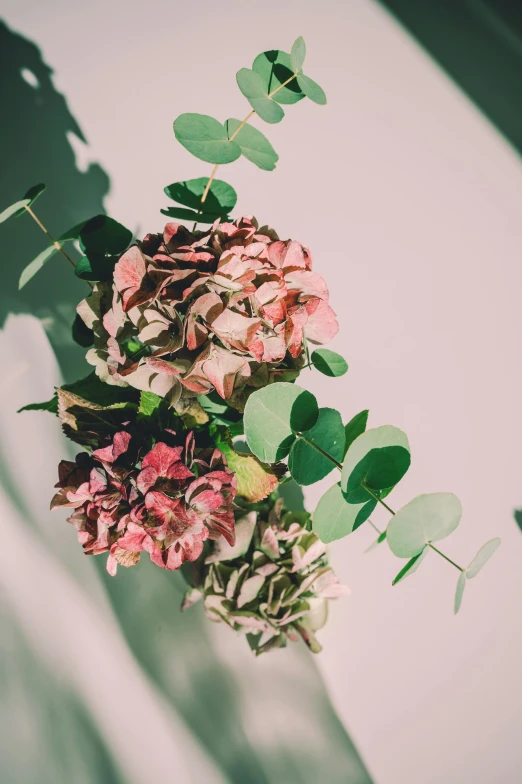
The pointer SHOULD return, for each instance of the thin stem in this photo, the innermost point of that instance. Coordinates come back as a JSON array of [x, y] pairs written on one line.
[[321, 451], [56, 244], [231, 139], [446, 557], [374, 495]]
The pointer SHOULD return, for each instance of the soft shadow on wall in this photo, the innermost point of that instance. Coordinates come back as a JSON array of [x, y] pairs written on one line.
[[262, 721]]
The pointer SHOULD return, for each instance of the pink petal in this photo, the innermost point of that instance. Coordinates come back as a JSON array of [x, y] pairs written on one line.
[[322, 325]]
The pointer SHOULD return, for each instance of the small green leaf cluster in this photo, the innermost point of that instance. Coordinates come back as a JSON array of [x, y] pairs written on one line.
[[284, 421]]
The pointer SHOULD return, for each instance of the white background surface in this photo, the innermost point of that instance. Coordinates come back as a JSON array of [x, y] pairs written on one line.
[[411, 205]]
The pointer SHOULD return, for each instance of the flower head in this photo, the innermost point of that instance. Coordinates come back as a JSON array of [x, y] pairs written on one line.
[[188, 313], [166, 503], [273, 584]]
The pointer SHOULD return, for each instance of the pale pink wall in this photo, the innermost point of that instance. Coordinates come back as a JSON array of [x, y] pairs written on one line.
[[411, 204]]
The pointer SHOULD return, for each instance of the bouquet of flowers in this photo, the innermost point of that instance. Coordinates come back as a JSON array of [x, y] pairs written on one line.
[[196, 338]]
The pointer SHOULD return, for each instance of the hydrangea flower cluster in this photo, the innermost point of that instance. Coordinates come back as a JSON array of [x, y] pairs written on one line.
[[167, 502], [274, 584], [188, 312]]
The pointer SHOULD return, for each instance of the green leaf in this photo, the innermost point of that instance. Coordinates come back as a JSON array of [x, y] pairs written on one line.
[[482, 557], [272, 417], [96, 266], [190, 215], [517, 514], [427, 518], [36, 265], [49, 405], [411, 567], [253, 88], [104, 235], [149, 403], [298, 54], [355, 427], [311, 89], [380, 539], [34, 191], [81, 333], [334, 517], [461, 584], [221, 197], [378, 458], [275, 68], [14, 210], [253, 145], [206, 138], [255, 480], [95, 391], [329, 362], [306, 464]]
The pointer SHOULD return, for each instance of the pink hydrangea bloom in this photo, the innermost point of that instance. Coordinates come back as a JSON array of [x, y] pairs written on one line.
[[224, 310], [166, 504]]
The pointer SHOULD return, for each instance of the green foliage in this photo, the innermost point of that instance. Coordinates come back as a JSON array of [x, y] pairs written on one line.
[[253, 88], [95, 267], [275, 68], [329, 362], [482, 557], [311, 89], [18, 208], [14, 210], [428, 518], [298, 54], [253, 145], [411, 567], [461, 584], [355, 427], [36, 265], [33, 192], [377, 459], [81, 333], [149, 403], [49, 405], [104, 235], [220, 200], [334, 518], [206, 138], [305, 463], [95, 391], [273, 416]]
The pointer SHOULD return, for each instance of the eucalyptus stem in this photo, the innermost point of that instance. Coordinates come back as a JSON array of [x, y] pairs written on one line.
[[241, 124], [57, 245], [375, 496], [321, 451]]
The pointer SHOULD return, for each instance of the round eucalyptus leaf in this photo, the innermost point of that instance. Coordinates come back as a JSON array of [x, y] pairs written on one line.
[[104, 235], [379, 458], [272, 417], [354, 428], [36, 265], [329, 362], [305, 463], [482, 557], [253, 145], [206, 138], [334, 518], [15, 209], [96, 266], [311, 89], [461, 584], [267, 109], [34, 191], [428, 518], [298, 54], [81, 333], [221, 197], [411, 567], [251, 84], [275, 68], [190, 215]]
